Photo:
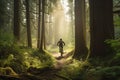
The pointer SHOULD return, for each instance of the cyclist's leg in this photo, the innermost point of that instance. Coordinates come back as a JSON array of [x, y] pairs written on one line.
[[61, 50]]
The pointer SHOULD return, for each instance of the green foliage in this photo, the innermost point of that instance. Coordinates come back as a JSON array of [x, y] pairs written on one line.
[[44, 57], [109, 69], [11, 56], [10, 53], [117, 20], [107, 73], [117, 32], [21, 58], [6, 38], [115, 44], [75, 71], [6, 42]]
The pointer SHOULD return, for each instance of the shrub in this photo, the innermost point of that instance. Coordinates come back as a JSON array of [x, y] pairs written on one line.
[[107, 73], [44, 57], [115, 45]]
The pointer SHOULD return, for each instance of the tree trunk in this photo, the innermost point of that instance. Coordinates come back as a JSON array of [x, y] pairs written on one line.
[[39, 17], [80, 43], [43, 25], [28, 24], [16, 30], [101, 26]]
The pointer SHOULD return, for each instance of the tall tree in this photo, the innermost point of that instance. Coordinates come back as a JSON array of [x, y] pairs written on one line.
[[28, 24], [80, 43], [39, 17], [43, 27], [101, 26], [16, 30]]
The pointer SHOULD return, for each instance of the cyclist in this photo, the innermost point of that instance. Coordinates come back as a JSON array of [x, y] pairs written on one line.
[[61, 43]]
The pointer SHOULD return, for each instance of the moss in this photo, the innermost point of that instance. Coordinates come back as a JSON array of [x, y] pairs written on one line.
[[7, 71]]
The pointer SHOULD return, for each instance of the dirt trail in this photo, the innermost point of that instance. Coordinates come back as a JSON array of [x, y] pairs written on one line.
[[61, 61]]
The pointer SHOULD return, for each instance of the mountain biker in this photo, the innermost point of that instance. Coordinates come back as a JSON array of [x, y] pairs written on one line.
[[61, 43]]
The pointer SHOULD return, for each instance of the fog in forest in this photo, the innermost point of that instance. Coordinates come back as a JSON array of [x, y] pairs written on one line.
[[61, 26]]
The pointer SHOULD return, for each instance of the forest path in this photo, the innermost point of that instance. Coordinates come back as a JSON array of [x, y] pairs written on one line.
[[61, 61]]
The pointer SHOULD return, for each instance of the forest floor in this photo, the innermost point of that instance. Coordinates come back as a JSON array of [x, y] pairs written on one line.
[[45, 73], [61, 61]]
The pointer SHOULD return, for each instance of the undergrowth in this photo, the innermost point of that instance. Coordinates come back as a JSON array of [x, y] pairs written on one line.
[[20, 58]]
